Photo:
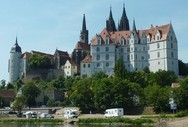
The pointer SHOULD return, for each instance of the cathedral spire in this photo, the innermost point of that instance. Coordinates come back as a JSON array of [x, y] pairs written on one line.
[[84, 24], [84, 32], [124, 22], [110, 24], [134, 26]]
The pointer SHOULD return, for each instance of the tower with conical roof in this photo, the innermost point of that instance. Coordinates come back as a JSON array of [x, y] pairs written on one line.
[[110, 24], [84, 32], [124, 22], [14, 62]]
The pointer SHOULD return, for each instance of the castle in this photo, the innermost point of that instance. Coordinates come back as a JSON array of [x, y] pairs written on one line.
[[154, 48]]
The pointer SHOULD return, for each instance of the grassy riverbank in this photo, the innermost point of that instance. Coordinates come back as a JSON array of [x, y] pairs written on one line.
[[115, 121], [32, 120]]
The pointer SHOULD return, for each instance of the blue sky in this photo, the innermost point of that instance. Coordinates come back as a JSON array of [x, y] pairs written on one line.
[[44, 25]]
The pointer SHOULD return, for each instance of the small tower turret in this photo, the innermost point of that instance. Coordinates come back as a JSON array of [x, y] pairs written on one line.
[[14, 62]]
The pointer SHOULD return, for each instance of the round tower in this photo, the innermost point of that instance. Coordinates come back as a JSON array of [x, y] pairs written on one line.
[[14, 62]]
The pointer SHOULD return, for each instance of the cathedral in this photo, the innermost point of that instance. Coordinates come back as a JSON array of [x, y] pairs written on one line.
[[154, 48]]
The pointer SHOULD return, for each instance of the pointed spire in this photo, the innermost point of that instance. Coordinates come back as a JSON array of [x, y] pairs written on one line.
[[16, 41], [110, 24], [124, 22], [84, 32], [84, 24], [134, 25]]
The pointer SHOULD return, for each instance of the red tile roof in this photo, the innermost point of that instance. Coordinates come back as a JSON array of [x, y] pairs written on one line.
[[7, 93], [25, 55], [88, 58], [41, 53], [116, 36]]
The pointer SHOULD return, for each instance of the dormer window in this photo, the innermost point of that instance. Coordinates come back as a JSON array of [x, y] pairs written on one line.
[[99, 40], [122, 41], [148, 38], [107, 40], [157, 36]]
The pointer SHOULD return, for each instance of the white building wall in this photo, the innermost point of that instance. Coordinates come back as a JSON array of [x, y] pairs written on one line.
[[103, 59], [14, 66], [86, 69]]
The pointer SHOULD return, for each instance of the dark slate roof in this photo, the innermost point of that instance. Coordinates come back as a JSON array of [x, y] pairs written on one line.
[[16, 47]]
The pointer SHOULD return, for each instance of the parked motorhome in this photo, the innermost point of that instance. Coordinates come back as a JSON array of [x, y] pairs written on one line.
[[115, 112], [70, 113]]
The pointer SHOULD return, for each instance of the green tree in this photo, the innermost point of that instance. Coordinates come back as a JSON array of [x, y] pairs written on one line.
[[19, 103], [115, 92], [119, 69], [183, 68], [82, 95], [99, 75], [37, 61], [3, 84], [162, 78], [139, 77], [30, 91], [181, 94], [10, 86], [158, 97]]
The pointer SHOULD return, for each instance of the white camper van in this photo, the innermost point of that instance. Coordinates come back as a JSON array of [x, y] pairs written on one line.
[[70, 113], [115, 112]]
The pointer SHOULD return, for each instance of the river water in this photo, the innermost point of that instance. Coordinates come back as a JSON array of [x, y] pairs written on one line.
[[54, 125]]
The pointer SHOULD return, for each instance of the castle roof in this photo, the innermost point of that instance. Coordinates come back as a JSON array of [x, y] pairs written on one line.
[[116, 36], [72, 62], [25, 55], [88, 58], [82, 46], [16, 47], [41, 53], [62, 53]]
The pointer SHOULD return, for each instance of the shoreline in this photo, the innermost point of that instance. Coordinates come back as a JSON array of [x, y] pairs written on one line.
[[171, 122]]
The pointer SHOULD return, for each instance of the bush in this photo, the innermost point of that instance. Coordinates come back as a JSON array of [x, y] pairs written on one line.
[[182, 113]]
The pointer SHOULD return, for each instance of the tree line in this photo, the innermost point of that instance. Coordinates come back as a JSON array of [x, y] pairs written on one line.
[[99, 92]]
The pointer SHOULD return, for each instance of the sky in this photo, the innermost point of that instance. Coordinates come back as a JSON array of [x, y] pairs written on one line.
[[46, 25]]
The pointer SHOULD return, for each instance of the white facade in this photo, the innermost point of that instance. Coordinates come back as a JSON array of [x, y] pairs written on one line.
[[86, 69], [14, 63], [155, 48], [70, 69]]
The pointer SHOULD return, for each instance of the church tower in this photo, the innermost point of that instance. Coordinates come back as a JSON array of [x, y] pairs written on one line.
[[110, 24], [14, 62], [124, 22], [84, 32]]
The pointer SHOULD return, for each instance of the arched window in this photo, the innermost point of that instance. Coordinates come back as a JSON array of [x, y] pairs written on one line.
[[107, 40]]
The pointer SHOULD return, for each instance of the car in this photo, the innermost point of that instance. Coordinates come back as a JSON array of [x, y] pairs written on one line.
[[30, 114], [46, 115]]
